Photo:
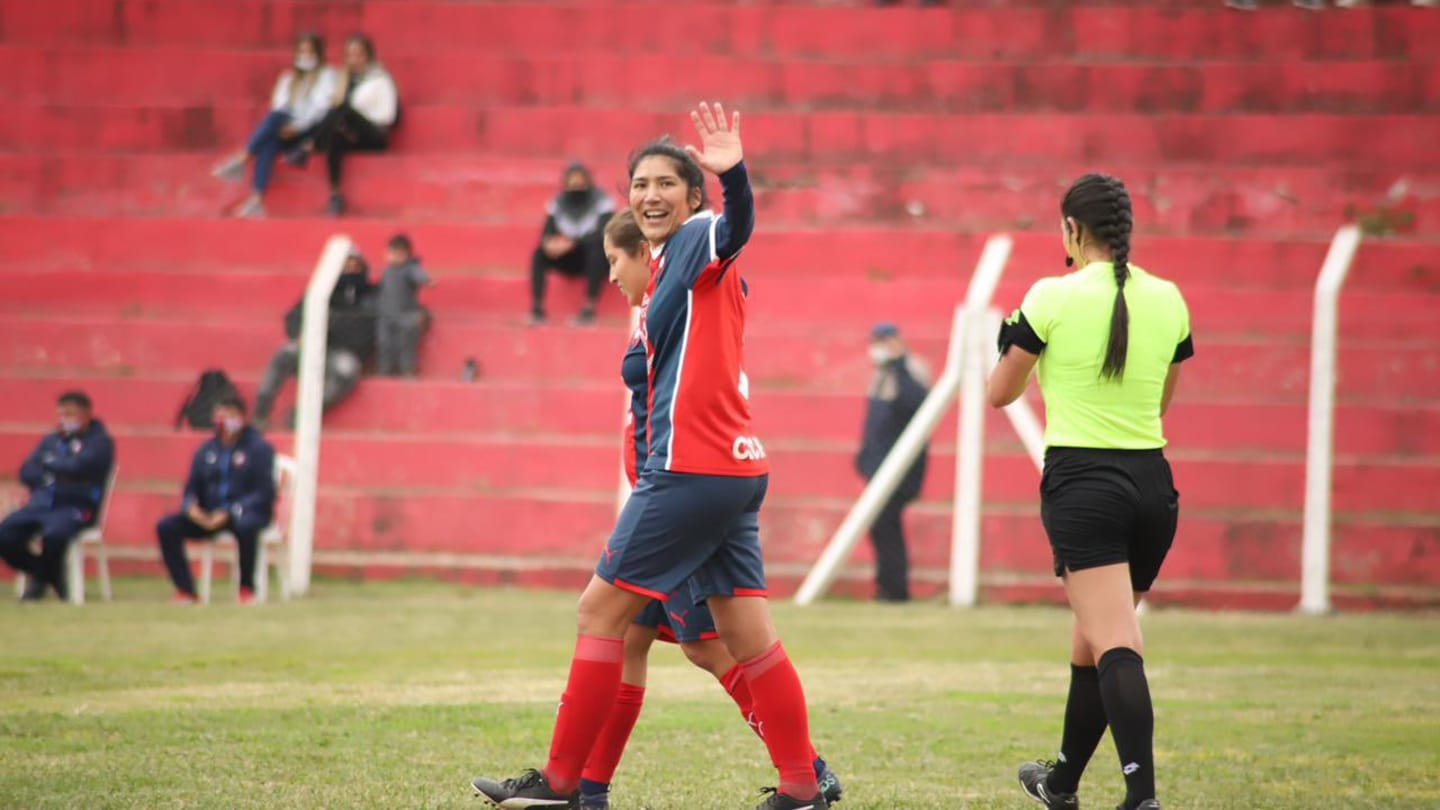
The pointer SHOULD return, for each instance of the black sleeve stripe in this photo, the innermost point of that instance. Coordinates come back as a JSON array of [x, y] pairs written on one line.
[[1185, 350], [1022, 334]]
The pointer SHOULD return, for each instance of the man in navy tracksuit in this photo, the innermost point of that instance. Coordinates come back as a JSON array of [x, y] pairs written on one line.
[[231, 488], [66, 476]]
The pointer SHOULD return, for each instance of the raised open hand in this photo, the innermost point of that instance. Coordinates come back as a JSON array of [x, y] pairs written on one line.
[[719, 138]]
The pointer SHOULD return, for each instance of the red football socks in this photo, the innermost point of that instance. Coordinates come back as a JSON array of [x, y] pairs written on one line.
[[739, 691], [781, 719], [589, 696], [610, 746]]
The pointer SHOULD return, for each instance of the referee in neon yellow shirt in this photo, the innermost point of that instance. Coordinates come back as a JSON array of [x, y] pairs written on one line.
[[1108, 339]]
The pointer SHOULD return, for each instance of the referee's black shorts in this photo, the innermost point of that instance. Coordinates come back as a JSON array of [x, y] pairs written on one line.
[[1102, 507]]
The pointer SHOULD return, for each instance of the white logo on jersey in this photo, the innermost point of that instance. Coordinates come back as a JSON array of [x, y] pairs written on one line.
[[747, 448], [744, 386]]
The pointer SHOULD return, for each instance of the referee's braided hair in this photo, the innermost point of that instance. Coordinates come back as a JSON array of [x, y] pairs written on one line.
[[685, 166], [1101, 204]]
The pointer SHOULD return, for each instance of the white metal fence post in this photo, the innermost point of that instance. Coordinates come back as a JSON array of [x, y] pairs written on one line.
[[922, 425], [1319, 449], [311, 385]]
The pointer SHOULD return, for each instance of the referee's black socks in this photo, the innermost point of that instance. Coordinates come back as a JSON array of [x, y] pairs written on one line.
[[1084, 726], [1126, 695]]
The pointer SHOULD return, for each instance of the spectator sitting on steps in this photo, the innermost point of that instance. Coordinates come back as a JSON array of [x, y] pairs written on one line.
[[66, 476], [349, 344], [301, 98], [572, 242], [231, 488], [366, 108]]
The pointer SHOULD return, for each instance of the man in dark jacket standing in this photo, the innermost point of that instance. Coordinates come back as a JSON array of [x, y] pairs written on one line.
[[231, 488], [900, 385], [66, 476]]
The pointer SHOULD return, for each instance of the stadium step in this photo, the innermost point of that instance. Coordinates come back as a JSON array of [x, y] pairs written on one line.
[[110, 303], [144, 76], [1084, 32], [1390, 141], [1236, 367], [1168, 200], [443, 407], [480, 463], [220, 246], [1210, 548]]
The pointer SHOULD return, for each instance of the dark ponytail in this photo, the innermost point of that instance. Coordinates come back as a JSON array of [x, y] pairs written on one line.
[[1102, 205]]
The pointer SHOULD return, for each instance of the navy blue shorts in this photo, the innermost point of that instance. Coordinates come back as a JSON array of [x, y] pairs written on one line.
[[697, 531], [680, 618]]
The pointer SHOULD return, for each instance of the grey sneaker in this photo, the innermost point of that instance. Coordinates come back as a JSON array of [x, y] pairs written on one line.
[[252, 208], [231, 170], [529, 789], [782, 801], [1035, 781]]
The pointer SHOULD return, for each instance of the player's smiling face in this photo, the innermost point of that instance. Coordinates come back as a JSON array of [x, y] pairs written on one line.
[[660, 198]]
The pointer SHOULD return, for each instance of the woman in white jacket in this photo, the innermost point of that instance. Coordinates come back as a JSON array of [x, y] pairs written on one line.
[[302, 97], [366, 108]]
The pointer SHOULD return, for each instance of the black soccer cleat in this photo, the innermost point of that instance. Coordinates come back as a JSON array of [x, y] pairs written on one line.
[[1148, 804], [1034, 780], [529, 789], [781, 801], [830, 786]]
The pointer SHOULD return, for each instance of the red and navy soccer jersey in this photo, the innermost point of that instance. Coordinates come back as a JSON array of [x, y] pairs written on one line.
[[634, 371], [694, 333]]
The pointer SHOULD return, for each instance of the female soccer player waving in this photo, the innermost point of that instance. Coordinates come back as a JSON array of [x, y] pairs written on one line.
[[694, 514], [1108, 340]]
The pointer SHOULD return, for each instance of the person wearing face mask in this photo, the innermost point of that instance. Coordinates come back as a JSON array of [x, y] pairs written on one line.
[[231, 488], [66, 476], [300, 100], [364, 111], [349, 345], [899, 386], [572, 242]]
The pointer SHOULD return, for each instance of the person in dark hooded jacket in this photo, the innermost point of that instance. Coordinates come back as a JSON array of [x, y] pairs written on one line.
[[572, 242], [66, 475], [231, 488], [349, 344]]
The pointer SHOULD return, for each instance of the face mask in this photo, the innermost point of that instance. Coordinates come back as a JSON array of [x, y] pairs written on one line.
[[231, 425], [306, 63], [68, 426], [879, 355]]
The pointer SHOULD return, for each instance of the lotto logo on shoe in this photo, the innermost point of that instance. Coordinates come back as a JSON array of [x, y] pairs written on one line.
[[747, 448]]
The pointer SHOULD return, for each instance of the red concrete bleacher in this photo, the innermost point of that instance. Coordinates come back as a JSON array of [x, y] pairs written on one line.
[[885, 145]]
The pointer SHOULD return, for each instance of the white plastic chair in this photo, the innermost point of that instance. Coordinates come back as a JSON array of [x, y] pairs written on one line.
[[273, 550], [93, 537]]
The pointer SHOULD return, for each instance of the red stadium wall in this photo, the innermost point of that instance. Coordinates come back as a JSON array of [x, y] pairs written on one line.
[[885, 144]]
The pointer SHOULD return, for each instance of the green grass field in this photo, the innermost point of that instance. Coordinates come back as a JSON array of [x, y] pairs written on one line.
[[392, 696]]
